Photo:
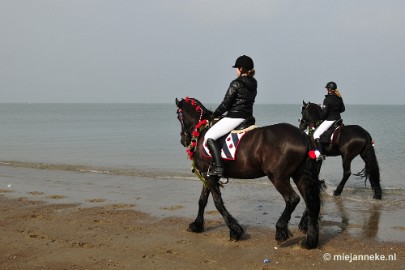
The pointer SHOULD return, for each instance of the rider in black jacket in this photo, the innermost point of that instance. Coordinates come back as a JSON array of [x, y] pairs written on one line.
[[239, 98], [332, 107], [238, 103]]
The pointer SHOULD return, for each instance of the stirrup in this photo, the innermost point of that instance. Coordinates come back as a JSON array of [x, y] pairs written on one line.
[[215, 171]]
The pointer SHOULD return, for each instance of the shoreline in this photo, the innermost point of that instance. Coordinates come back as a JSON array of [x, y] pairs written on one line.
[[40, 235], [252, 203]]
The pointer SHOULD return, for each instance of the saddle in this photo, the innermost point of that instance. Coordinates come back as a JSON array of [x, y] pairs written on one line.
[[327, 136], [229, 143]]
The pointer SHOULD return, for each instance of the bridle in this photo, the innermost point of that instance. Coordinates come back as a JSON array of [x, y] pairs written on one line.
[[180, 116], [184, 132], [304, 123]]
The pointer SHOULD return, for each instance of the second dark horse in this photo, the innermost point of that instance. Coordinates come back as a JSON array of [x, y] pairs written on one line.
[[348, 142], [279, 152]]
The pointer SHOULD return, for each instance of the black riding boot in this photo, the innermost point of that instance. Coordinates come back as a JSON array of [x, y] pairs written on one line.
[[217, 165], [318, 146]]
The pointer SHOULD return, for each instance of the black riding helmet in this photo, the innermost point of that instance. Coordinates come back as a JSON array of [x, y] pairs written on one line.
[[331, 85], [244, 62]]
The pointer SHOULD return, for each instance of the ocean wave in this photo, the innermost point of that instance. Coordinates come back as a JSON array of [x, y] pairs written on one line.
[[100, 170]]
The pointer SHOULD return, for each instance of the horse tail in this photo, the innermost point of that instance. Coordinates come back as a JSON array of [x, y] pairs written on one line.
[[371, 170], [312, 196]]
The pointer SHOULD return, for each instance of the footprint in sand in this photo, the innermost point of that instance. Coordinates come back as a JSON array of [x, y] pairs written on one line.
[[119, 206], [96, 200], [56, 197], [174, 207], [35, 193]]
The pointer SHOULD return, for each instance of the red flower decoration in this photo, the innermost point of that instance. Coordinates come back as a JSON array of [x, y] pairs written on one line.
[[196, 133], [312, 154], [190, 153], [187, 99]]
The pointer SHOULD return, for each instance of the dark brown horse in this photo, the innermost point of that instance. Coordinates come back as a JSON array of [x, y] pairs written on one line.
[[348, 142], [279, 151]]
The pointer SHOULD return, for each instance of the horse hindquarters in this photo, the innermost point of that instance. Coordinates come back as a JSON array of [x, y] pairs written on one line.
[[355, 140]]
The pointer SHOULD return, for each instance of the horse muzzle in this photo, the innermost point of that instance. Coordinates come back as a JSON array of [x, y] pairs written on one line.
[[185, 139]]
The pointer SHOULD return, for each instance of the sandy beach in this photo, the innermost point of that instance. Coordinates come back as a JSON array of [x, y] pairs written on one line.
[[38, 235], [61, 219]]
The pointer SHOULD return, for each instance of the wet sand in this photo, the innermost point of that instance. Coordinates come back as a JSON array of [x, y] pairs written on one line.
[[59, 220], [37, 235]]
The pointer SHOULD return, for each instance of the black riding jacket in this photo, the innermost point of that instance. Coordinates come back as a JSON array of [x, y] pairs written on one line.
[[333, 106], [239, 98]]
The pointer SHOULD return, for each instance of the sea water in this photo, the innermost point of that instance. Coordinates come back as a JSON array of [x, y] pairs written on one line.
[[144, 138]]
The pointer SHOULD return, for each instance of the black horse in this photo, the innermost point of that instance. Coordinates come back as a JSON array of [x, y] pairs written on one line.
[[348, 142], [279, 151]]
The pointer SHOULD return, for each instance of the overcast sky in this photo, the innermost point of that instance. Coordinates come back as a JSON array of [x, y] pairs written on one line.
[[153, 51]]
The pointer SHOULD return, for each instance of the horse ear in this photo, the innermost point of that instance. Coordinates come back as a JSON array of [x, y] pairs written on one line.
[[177, 102], [303, 103]]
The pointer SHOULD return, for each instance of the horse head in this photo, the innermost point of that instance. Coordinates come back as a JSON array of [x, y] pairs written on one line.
[[190, 112], [310, 113]]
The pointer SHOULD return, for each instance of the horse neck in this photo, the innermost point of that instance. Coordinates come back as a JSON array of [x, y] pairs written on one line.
[[315, 112], [194, 120]]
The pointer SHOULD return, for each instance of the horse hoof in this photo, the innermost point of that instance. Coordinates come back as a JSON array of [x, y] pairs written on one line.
[[194, 227], [377, 196], [236, 233], [306, 245], [283, 234]]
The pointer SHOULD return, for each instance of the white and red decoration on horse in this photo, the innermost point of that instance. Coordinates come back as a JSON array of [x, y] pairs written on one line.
[[229, 147]]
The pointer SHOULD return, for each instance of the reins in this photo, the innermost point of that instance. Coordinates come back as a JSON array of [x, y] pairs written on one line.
[[195, 136]]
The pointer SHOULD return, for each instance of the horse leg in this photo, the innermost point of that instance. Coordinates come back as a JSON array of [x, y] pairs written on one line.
[[198, 225], [235, 230], [303, 225], [291, 199], [346, 174]]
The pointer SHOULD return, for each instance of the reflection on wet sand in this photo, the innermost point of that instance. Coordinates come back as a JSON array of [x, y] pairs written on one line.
[[370, 229], [341, 216]]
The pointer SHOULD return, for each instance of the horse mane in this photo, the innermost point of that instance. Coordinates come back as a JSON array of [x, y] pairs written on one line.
[[311, 103], [316, 105], [197, 104]]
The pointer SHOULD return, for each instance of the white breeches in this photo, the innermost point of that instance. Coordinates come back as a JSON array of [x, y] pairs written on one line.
[[222, 127], [322, 128]]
